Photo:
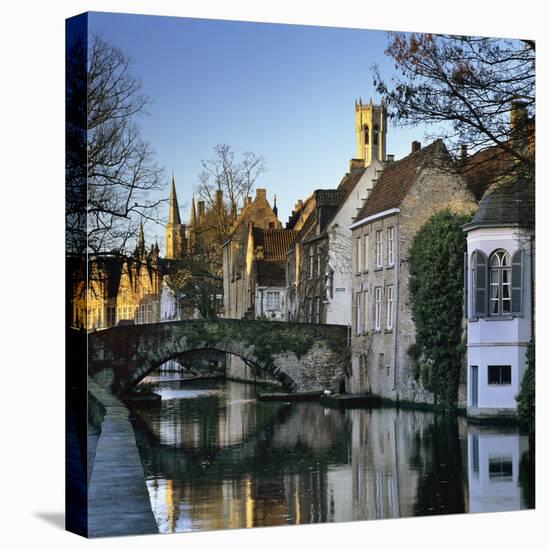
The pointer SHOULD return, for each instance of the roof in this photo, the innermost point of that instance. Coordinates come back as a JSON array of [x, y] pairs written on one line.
[[511, 203], [277, 243], [329, 197], [398, 178], [481, 169], [173, 213], [270, 273]]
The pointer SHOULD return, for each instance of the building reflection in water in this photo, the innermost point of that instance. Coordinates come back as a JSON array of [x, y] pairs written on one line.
[[494, 468], [217, 458]]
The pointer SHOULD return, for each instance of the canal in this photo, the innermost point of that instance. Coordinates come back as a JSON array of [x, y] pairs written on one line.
[[215, 457]]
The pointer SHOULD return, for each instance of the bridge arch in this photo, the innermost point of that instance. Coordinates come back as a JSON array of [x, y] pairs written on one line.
[[303, 357], [150, 366]]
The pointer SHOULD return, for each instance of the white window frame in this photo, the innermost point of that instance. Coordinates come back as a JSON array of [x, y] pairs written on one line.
[[379, 248], [365, 300], [311, 261], [366, 252], [390, 306], [358, 249], [358, 312], [272, 300], [377, 309], [391, 246]]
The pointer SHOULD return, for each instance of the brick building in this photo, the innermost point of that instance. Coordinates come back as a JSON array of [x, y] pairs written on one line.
[[407, 194]]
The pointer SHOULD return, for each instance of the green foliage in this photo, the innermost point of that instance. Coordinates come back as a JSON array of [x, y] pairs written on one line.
[[436, 296], [526, 399]]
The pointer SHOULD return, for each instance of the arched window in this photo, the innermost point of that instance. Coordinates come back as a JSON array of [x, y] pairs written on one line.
[[376, 133], [500, 283], [479, 276], [366, 131]]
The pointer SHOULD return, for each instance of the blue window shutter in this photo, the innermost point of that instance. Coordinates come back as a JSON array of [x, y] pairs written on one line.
[[481, 283], [516, 283]]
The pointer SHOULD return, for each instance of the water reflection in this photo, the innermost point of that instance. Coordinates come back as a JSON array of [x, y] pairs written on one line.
[[217, 458]]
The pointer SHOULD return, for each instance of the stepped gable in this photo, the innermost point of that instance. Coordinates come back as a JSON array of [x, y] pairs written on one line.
[[398, 178]]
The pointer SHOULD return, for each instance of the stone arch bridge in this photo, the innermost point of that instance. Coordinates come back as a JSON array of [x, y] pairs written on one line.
[[303, 357]]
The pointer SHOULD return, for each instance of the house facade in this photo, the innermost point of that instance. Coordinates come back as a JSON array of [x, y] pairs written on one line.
[[307, 258], [339, 273], [407, 193], [253, 273], [500, 282]]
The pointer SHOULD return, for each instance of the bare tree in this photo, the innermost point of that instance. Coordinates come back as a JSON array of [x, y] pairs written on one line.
[[120, 170], [235, 179], [464, 86]]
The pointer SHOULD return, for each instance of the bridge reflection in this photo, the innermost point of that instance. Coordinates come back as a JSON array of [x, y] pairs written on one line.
[[216, 458]]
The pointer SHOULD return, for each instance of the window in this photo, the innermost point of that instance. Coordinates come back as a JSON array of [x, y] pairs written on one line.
[[358, 255], [377, 310], [516, 283], [499, 375], [309, 310], [273, 300], [390, 246], [311, 261], [358, 312], [365, 305], [500, 283], [317, 309], [500, 468], [365, 255], [479, 276], [376, 133], [379, 249], [318, 269], [390, 300], [366, 135]]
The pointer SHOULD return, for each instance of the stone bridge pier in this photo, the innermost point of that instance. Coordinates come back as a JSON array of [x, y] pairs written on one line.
[[303, 357]]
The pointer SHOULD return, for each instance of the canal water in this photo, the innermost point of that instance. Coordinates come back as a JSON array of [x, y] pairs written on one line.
[[215, 457]]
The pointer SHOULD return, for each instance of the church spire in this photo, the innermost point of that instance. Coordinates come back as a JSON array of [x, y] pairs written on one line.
[[275, 208], [173, 216], [141, 239]]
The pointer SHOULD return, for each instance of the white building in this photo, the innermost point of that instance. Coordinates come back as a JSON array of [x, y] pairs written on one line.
[[493, 470], [499, 281], [339, 273], [169, 308]]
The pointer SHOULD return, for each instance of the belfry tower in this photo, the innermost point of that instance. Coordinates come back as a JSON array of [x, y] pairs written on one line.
[[371, 131], [176, 241]]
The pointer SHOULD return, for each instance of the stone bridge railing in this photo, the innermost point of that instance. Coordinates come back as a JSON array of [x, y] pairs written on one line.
[[303, 357]]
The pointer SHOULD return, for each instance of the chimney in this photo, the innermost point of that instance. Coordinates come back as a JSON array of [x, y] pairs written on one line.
[[261, 194], [354, 164], [390, 158], [518, 120], [201, 210], [416, 146], [218, 199]]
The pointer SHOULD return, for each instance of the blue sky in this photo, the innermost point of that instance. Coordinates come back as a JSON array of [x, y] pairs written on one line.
[[285, 92]]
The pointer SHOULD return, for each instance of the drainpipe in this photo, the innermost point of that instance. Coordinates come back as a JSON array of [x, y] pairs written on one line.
[[397, 285]]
